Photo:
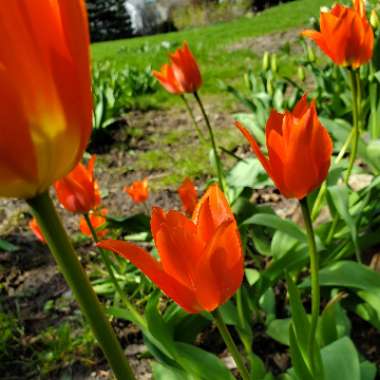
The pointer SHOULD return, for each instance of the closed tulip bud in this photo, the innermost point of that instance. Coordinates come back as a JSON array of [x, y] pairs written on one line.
[[346, 35], [182, 75], [201, 260], [266, 58], [45, 93], [301, 73], [299, 150], [311, 57], [273, 63], [269, 86], [374, 19]]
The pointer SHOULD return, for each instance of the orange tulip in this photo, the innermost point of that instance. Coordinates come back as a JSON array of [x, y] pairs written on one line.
[[138, 191], [299, 150], [182, 75], [201, 260], [78, 191], [33, 225], [346, 35], [188, 195], [98, 220], [45, 93], [167, 79]]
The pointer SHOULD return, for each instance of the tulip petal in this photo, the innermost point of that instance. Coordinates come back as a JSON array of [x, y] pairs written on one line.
[[220, 272], [179, 247], [181, 294]]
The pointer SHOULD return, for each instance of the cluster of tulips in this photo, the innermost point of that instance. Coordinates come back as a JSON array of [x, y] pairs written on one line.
[[46, 124]]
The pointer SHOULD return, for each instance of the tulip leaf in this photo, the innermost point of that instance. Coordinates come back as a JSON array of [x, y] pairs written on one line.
[[8, 247], [348, 274], [299, 365], [278, 329], [163, 372], [340, 198], [131, 224], [368, 371], [249, 121], [275, 222], [201, 363], [341, 360]]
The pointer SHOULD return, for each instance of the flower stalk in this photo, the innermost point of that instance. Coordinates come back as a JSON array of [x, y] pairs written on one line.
[[213, 143], [107, 262], [315, 290], [68, 263], [230, 344]]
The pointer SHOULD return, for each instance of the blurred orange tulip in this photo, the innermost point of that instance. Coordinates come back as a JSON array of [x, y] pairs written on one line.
[[299, 150], [201, 263], [78, 191], [182, 75], [33, 225], [138, 191], [98, 220], [45, 93], [188, 195], [346, 35], [167, 79]]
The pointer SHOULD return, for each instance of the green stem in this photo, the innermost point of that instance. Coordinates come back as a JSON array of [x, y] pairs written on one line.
[[68, 263], [230, 344], [356, 114], [315, 291], [191, 113], [137, 317], [213, 144]]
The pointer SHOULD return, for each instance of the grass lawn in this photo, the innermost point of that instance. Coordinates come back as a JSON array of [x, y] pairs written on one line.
[[209, 45]]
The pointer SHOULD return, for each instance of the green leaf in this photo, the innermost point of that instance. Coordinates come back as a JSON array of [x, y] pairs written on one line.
[[339, 196], [163, 372], [252, 276], [341, 360], [348, 274], [299, 365], [368, 371], [248, 173], [275, 222], [249, 121], [8, 247], [278, 329], [201, 363], [299, 318]]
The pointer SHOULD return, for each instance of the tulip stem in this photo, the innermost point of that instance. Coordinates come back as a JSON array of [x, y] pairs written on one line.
[[315, 291], [137, 318], [356, 115], [68, 263], [191, 113], [212, 138], [230, 344]]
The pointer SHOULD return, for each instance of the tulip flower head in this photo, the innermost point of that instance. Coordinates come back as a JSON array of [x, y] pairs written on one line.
[[98, 221], [138, 191], [201, 260], [79, 191], [182, 75], [299, 150], [188, 195], [346, 35], [33, 225], [45, 93]]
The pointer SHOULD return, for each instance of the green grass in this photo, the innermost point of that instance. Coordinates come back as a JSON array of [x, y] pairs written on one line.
[[209, 45]]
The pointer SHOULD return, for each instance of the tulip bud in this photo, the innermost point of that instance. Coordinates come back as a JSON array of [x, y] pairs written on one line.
[[265, 64], [270, 86], [311, 57], [374, 19], [301, 73]]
